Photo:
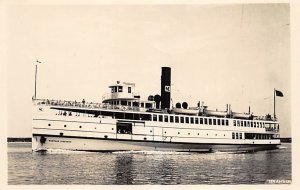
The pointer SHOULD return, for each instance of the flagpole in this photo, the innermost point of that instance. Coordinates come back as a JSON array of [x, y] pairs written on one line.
[[274, 103], [35, 81]]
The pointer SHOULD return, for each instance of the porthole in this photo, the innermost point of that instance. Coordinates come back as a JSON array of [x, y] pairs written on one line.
[[112, 128], [105, 136], [150, 131], [178, 133], [65, 125], [198, 134], [224, 135], [189, 133], [95, 127], [61, 134], [165, 132], [49, 124], [206, 134], [145, 138], [80, 126], [216, 134]]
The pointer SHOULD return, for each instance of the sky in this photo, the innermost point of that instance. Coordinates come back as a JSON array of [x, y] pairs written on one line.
[[220, 54]]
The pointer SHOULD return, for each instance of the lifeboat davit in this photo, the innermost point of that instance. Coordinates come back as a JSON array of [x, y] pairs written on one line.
[[186, 111]]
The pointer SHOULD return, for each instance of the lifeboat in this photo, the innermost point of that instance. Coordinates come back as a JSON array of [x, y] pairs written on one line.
[[241, 115], [186, 111], [216, 113]]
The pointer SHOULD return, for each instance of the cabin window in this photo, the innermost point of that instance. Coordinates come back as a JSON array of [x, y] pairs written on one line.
[[238, 123], [129, 116], [219, 122], [124, 128], [223, 122], [214, 121], [160, 118], [124, 103], [166, 118], [181, 119], [227, 123], [129, 89], [241, 135], [205, 121], [120, 89], [154, 117], [172, 119], [237, 135], [209, 121], [233, 135], [251, 123], [136, 104], [242, 123], [234, 122], [176, 119], [257, 124], [192, 120], [196, 120], [245, 123], [263, 125], [254, 124], [201, 120], [148, 105], [115, 89], [142, 105], [248, 124], [187, 120]]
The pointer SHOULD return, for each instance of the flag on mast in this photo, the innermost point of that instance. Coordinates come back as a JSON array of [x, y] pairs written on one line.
[[278, 93]]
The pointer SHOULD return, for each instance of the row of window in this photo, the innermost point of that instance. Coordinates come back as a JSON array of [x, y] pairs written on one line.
[[256, 124], [192, 120]]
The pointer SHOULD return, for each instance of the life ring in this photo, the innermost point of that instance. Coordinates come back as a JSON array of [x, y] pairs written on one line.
[[124, 108]]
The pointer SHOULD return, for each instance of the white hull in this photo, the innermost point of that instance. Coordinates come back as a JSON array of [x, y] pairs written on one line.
[[100, 134], [110, 145]]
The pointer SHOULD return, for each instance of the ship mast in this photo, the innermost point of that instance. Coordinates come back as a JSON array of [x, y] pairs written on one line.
[[35, 77]]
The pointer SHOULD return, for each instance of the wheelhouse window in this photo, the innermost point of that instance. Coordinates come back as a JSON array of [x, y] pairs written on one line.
[[196, 120], [234, 122], [192, 120], [176, 119], [120, 88], [248, 123], [238, 123], [214, 121], [124, 128], [129, 89], [223, 122], [205, 121], [209, 121], [241, 135], [242, 123], [227, 123], [219, 122], [201, 120]]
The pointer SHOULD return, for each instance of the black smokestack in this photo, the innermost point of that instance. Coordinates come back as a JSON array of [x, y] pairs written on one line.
[[165, 87]]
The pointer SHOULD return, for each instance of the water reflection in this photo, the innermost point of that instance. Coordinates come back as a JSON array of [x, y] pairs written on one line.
[[123, 169]]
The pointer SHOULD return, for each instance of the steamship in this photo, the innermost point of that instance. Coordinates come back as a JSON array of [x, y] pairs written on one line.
[[125, 122]]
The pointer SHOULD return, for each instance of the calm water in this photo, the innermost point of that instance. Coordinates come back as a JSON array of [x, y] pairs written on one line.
[[25, 167]]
